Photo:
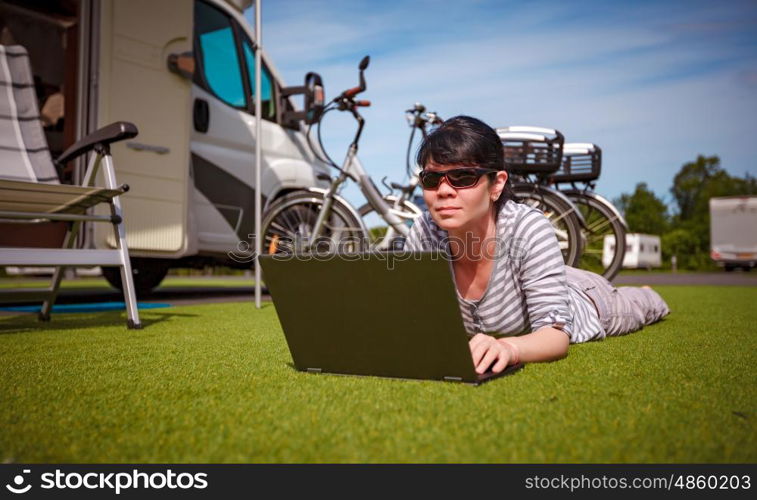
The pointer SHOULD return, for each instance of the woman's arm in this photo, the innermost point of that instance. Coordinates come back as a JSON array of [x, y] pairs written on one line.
[[545, 344], [541, 272]]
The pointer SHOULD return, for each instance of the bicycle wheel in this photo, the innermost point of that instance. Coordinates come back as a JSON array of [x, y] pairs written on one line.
[[601, 221], [407, 211], [561, 215], [289, 222]]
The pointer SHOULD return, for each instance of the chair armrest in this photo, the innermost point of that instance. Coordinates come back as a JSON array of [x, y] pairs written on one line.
[[114, 132]]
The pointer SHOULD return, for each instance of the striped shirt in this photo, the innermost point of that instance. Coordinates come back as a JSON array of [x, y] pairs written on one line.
[[528, 288]]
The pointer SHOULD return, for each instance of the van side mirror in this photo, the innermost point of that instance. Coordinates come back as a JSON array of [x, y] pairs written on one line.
[[182, 64], [314, 99]]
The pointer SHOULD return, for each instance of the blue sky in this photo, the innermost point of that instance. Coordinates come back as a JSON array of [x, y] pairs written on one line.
[[653, 83]]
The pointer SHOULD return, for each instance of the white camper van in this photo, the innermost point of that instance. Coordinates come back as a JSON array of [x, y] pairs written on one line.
[[183, 72], [642, 251], [733, 231]]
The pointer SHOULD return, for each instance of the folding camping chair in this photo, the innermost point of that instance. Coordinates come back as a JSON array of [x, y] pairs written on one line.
[[31, 193]]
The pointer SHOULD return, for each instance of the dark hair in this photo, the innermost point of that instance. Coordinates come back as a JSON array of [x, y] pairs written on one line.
[[464, 140]]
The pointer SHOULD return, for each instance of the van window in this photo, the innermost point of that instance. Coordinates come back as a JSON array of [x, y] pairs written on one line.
[[268, 102], [218, 55]]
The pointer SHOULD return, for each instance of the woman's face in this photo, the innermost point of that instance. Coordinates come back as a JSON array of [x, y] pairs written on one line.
[[455, 209]]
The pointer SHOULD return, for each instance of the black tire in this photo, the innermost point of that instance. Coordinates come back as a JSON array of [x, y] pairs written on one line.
[[146, 273], [601, 221], [291, 218], [408, 212], [560, 214]]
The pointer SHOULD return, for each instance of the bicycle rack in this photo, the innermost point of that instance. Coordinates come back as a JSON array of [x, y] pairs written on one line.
[[582, 162], [531, 150]]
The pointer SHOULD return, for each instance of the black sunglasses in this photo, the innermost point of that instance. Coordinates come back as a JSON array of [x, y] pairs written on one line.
[[456, 177]]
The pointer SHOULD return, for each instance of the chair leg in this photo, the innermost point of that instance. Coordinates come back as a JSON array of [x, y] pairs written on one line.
[[68, 242], [47, 305], [127, 279]]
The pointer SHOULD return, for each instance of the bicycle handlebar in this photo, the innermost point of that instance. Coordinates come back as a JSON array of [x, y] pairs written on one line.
[[418, 117], [433, 118], [417, 108], [352, 92]]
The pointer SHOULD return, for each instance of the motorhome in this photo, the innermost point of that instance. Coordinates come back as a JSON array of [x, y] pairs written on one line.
[[643, 251], [183, 72], [733, 231]]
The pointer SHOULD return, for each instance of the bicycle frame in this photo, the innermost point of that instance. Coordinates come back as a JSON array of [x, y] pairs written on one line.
[[374, 197], [396, 209], [353, 168]]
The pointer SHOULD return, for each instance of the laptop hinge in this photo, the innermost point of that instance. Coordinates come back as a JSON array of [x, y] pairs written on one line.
[[453, 379], [314, 370]]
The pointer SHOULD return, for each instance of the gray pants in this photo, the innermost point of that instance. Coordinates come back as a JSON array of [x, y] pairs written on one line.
[[621, 310]]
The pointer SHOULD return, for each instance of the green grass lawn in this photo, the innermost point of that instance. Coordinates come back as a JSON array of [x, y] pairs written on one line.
[[214, 383]]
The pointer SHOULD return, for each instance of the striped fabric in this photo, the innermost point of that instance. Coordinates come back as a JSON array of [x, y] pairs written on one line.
[[528, 288], [24, 155], [621, 310]]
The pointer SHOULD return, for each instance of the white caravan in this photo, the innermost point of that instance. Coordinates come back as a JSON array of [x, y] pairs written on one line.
[[642, 251], [183, 72], [733, 231]]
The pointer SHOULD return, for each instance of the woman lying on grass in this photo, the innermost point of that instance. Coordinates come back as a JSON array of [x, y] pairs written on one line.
[[508, 268]]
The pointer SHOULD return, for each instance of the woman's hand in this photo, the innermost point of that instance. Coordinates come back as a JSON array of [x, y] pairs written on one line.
[[485, 350]]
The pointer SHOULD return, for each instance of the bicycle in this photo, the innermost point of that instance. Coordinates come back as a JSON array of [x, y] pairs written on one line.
[[307, 220], [532, 154], [605, 228], [418, 119]]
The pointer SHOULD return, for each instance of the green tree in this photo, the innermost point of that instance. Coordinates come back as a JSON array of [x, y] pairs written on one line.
[[684, 244], [694, 185], [690, 183], [644, 212], [685, 234], [700, 180]]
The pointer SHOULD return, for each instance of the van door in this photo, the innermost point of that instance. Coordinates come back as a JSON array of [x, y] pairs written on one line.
[[222, 140], [136, 38]]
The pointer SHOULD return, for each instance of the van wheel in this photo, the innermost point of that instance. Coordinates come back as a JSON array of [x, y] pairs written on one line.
[[147, 274], [729, 268]]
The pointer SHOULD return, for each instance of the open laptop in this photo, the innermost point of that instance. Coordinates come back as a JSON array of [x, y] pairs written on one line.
[[391, 314]]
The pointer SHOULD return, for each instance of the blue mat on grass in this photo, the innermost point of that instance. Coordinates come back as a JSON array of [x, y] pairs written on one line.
[[84, 308]]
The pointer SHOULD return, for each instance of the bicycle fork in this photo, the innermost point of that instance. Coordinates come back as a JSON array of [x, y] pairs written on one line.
[[328, 202]]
